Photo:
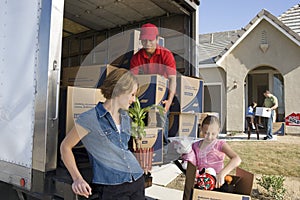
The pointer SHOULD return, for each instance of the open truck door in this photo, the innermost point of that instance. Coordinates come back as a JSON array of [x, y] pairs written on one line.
[[35, 46], [31, 35]]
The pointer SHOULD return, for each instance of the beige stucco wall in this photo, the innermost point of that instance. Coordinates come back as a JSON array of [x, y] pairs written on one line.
[[292, 97], [282, 54], [215, 75]]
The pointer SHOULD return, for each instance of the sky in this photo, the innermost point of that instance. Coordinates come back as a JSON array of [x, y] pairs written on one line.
[[227, 15]]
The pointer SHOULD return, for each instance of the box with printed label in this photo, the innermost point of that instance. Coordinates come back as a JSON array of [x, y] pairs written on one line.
[[240, 188], [153, 138], [189, 95], [86, 76], [152, 89], [183, 124], [80, 100], [263, 112]]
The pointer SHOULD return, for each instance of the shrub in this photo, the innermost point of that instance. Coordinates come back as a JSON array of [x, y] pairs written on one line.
[[273, 185]]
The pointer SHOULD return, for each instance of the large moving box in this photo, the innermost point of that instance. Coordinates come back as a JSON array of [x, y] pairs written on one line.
[[120, 55], [263, 112], [242, 187], [80, 100], [154, 138], [183, 124], [85, 76], [152, 89], [189, 95]]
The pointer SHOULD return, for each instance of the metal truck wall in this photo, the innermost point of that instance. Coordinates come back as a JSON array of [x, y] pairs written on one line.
[[26, 75]]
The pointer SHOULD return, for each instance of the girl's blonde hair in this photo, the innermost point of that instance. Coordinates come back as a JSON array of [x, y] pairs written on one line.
[[118, 82]]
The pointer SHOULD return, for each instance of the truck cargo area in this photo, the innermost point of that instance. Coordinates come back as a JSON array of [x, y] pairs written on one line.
[[85, 33]]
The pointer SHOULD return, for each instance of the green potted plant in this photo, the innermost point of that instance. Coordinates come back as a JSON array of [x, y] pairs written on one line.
[[138, 115], [138, 132]]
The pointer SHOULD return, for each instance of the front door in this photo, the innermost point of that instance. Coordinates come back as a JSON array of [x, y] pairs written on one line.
[[261, 79]]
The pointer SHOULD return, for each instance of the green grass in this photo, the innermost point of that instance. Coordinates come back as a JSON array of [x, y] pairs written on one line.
[[271, 157]]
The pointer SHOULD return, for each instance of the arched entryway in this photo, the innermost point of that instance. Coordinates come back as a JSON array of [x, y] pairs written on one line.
[[260, 79]]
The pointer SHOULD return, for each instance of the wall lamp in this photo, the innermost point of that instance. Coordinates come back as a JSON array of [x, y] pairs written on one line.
[[234, 84]]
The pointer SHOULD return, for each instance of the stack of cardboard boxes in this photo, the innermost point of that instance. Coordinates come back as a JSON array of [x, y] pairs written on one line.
[[79, 92], [80, 85], [186, 107], [152, 90]]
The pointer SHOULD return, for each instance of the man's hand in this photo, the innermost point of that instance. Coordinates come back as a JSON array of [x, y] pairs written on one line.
[[167, 104]]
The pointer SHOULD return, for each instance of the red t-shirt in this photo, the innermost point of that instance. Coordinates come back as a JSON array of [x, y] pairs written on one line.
[[161, 62]]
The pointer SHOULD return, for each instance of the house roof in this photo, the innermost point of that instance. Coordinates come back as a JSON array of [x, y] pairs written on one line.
[[214, 46], [291, 18]]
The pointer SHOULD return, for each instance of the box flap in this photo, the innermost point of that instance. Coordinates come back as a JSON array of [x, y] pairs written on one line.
[[189, 181], [245, 183], [212, 195]]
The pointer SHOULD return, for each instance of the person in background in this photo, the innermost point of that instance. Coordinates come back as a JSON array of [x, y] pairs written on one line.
[[155, 59], [105, 132], [210, 151], [270, 102], [251, 114]]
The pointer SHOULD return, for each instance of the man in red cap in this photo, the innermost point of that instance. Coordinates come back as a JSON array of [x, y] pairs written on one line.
[[155, 59]]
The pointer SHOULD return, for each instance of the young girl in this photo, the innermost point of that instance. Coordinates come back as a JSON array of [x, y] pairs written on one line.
[[210, 151], [251, 114]]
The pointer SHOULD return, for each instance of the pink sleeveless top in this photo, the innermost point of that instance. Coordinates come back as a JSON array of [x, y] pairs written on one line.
[[211, 156]]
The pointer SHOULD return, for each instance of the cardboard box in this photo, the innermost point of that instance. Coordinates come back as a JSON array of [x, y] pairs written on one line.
[[86, 76], [152, 89], [154, 138], [153, 118], [181, 124], [201, 117], [80, 100], [242, 188], [123, 46], [189, 95], [263, 112]]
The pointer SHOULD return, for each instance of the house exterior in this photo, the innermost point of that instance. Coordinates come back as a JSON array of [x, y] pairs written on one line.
[[237, 66]]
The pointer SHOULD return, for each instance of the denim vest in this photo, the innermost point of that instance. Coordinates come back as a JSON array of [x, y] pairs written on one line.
[[112, 162]]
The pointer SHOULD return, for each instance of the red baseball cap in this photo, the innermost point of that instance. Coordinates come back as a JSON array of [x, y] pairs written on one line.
[[148, 32]]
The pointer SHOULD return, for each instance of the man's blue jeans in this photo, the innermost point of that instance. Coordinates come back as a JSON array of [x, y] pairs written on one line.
[[270, 125], [163, 122]]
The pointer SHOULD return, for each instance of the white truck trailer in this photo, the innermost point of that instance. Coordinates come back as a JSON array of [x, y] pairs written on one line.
[[38, 39]]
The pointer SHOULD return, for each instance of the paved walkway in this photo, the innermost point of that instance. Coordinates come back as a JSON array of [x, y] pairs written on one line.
[[162, 176]]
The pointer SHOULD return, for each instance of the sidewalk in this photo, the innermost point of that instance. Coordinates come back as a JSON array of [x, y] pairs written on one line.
[[162, 176], [244, 137]]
